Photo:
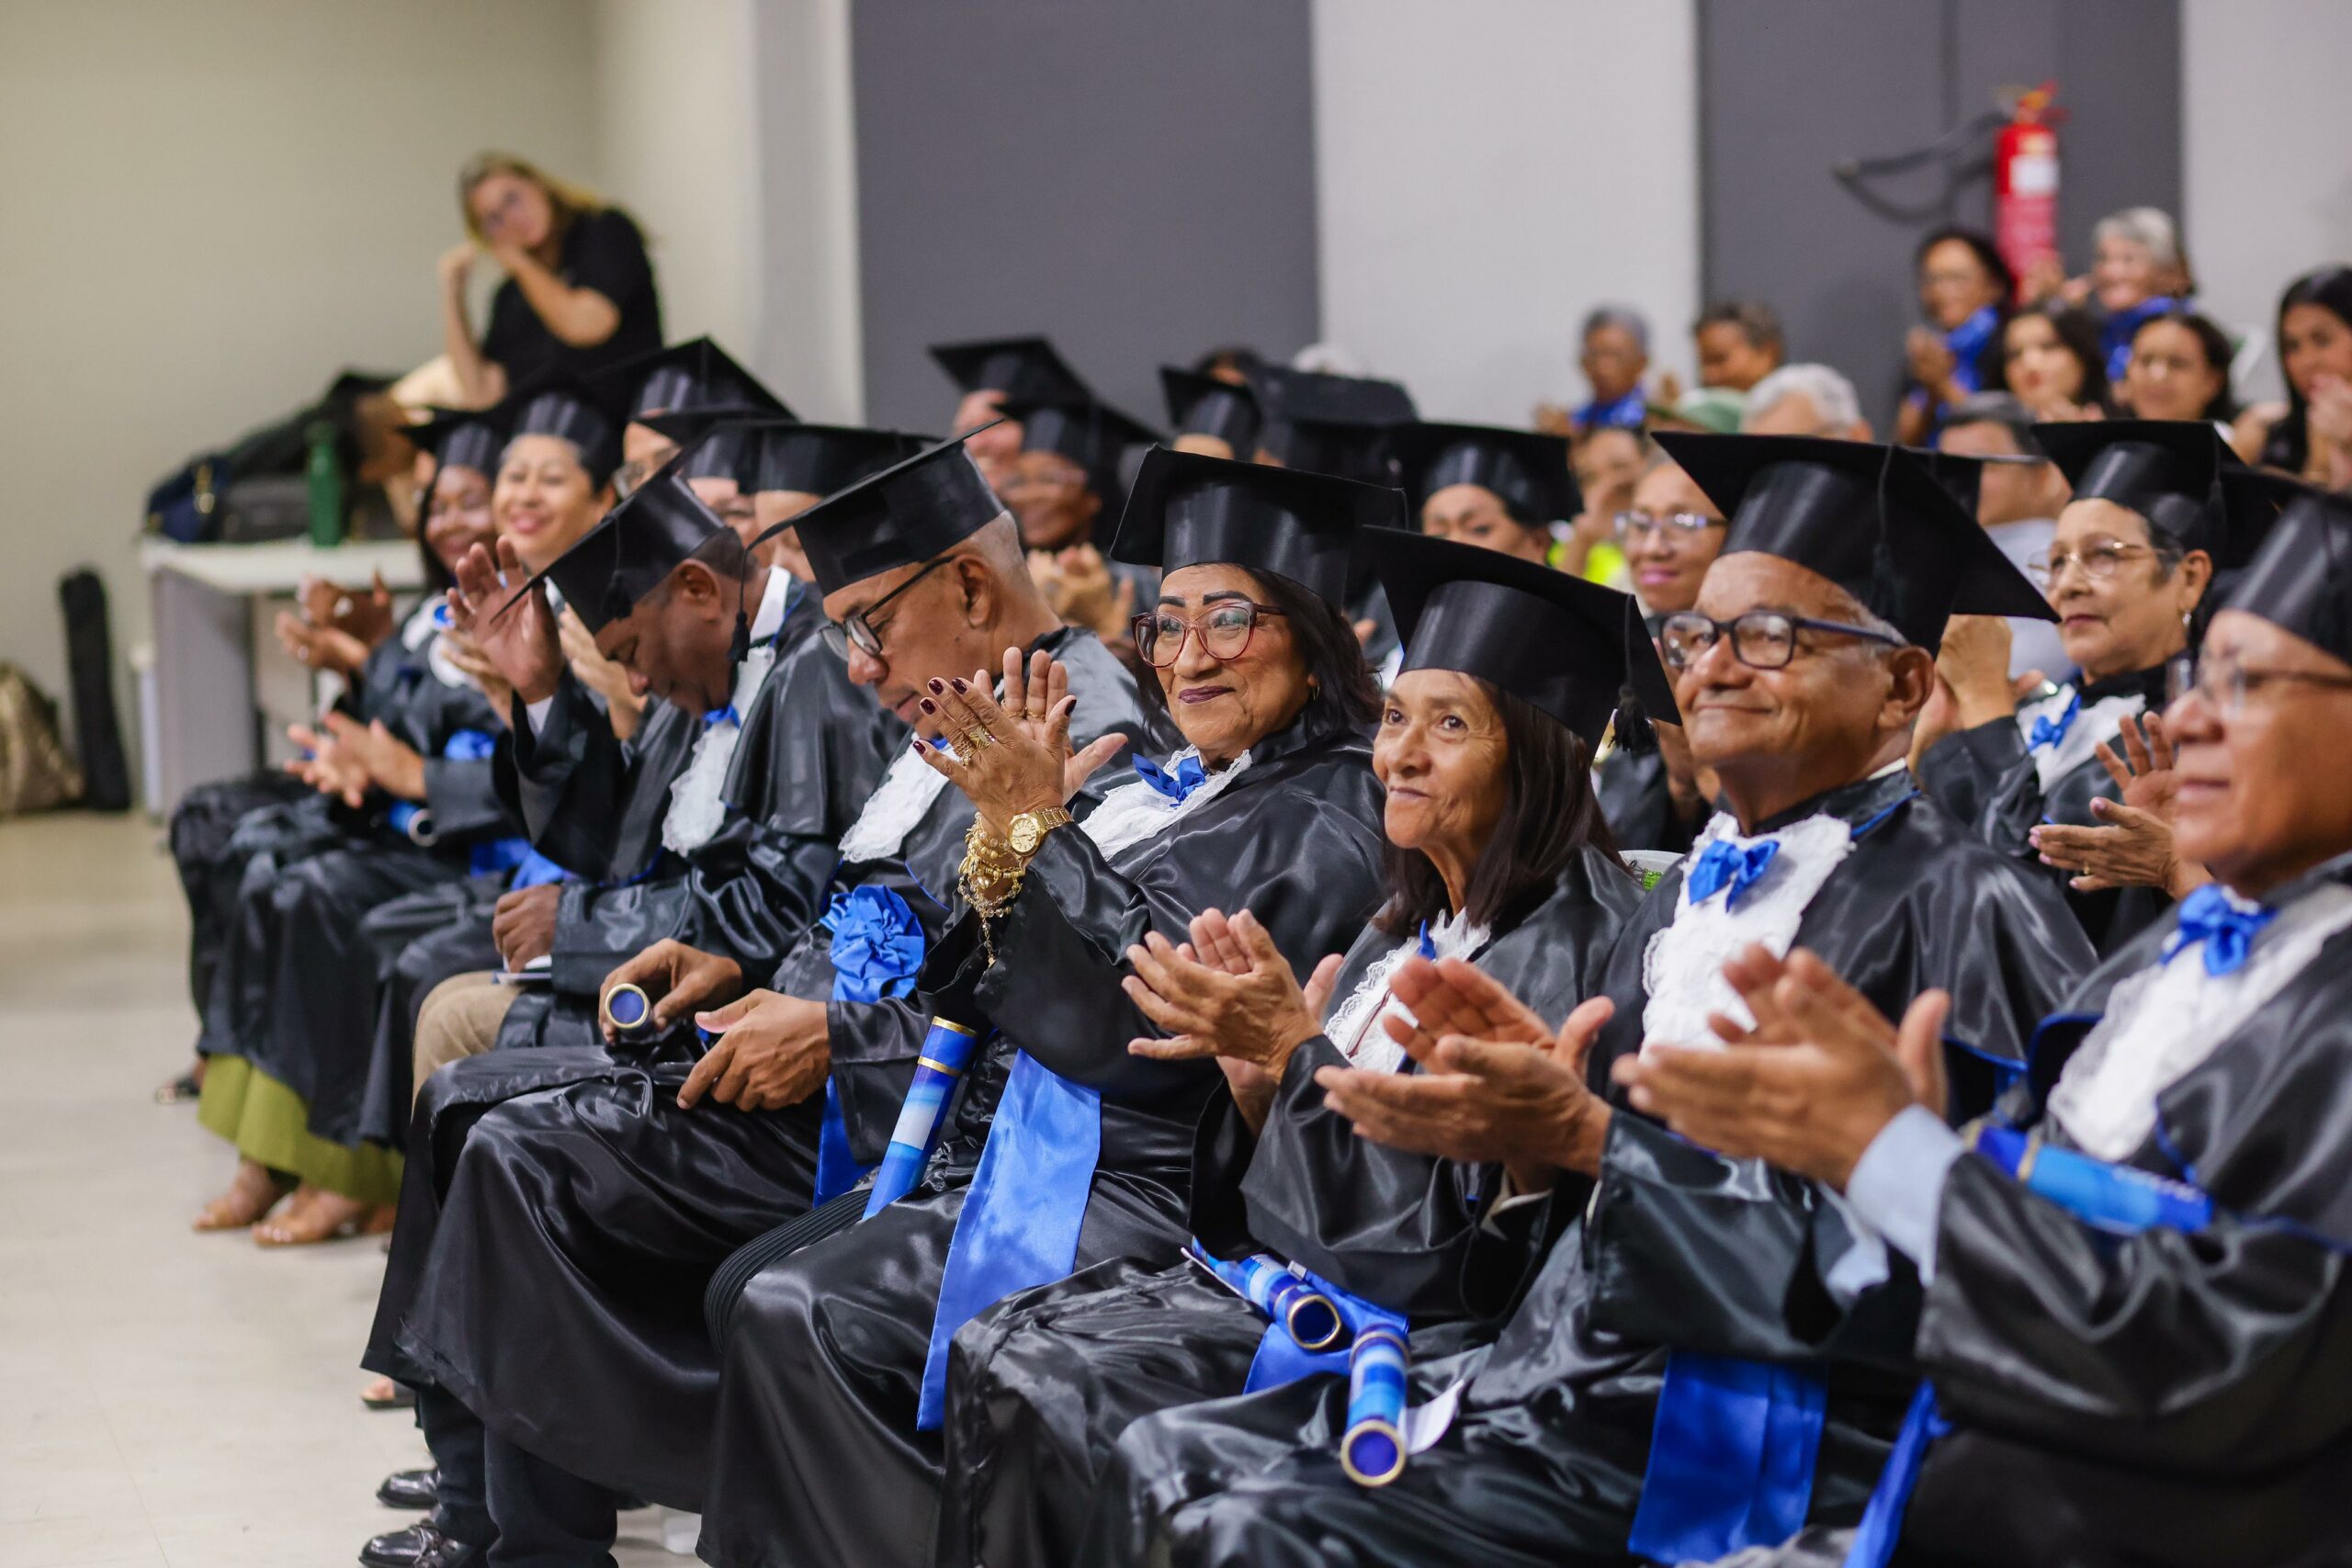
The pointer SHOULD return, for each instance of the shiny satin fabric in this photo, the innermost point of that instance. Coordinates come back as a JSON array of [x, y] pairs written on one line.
[[1545, 1461], [215, 831], [460, 944], [593, 803], [1051, 1377], [1985, 776], [817, 1458], [1634, 796]]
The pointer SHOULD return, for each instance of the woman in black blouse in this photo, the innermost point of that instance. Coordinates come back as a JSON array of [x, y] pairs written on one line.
[[579, 293]]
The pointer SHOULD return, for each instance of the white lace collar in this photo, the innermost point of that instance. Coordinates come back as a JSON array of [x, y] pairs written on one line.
[[905, 796], [2097, 722], [2162, 1023], [697, 802], [1354, 1026], [1132, 813]]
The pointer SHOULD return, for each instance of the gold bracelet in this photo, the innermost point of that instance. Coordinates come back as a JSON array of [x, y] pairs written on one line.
[[990, 880]]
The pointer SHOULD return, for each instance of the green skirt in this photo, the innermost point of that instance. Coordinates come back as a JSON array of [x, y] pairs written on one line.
[[270, 1125]]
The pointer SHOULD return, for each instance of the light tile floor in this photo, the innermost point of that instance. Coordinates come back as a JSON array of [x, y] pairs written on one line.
[[167, 1399]]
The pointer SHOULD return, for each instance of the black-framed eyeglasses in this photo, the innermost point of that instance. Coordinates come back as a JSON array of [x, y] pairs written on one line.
[[1672, 524], [1762, 640], [2223, 682], [859, 629], [1224, 631]]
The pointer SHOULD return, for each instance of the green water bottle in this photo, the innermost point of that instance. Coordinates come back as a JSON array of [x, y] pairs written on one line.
[[324, 472]]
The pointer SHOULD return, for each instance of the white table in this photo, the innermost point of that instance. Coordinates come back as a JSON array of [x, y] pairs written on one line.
[[224, 690]]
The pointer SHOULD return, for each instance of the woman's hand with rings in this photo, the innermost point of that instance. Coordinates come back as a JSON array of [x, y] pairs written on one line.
[[1012, 756]]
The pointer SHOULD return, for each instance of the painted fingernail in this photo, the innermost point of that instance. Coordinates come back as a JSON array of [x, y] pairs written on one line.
[[928, 705], [935, 687], [960, 687]]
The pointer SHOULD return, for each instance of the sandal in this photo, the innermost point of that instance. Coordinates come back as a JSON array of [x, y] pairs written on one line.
[[384, 1394], [253, 1194], [188, 1086], [328, 1216]]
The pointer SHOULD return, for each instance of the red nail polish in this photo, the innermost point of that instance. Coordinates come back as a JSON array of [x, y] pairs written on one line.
[[960, 687], [929, 706], [935, 687]]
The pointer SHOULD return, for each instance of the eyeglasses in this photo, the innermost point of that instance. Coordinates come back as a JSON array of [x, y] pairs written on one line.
[[2100, 560], [1631, 525], [1762, 640], [2223, 683], [858, 629], [1225, 632]]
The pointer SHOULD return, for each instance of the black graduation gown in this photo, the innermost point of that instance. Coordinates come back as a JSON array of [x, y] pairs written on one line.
[[1052, 1375], [1543, 1464], [817, 1459], [1634, 797], [584, 1192], [1985, 776], [812, 748], [2166, 1398], [444, 932]]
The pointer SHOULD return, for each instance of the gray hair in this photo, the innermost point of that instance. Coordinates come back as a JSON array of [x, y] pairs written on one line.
[[1833, 396], [1624, 316], [2003, 409], [2149, 227]]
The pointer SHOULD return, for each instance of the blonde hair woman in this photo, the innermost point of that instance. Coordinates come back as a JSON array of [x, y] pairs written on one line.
[[579, 293]]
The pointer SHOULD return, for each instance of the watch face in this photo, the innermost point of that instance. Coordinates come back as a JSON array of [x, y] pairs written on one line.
[[1026, 833]]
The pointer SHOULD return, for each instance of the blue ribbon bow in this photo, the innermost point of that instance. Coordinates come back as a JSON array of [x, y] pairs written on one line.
[[1189, 776], [878, 951], [2048, 731], [722, 715], [1427, 947], [2225, 926], [1727, 863]]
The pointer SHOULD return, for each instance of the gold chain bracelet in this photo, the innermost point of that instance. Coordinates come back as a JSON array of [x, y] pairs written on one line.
[[990, 880]]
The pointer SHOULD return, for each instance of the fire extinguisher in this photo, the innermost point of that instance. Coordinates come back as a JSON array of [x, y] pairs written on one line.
[[2025, 182]]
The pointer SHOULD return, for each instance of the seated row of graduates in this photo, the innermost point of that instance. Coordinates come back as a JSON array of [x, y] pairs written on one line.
[[1593, 1311]]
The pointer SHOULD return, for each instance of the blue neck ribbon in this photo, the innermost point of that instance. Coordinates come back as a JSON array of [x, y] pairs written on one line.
[[722, 715], [1625, 412], [2227, 926], [2048, 731], [1967, 342], [2117, 1199], [1022, 1218], [1729, 864], [878, 951], [1188, 777]]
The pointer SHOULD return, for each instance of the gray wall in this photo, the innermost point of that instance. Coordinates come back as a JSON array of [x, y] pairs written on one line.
[[1842, 79], [1135, 181]]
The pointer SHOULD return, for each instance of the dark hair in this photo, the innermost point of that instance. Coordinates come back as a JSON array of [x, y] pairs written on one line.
[[1997, 408], [1549, 813], [2330, 288], [2213, 342], [2078, 335], [1346, 697], [1988, 256], [1756, 321], [1227, 356]]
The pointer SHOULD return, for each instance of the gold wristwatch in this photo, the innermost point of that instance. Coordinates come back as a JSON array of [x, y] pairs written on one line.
[[1026, 831]]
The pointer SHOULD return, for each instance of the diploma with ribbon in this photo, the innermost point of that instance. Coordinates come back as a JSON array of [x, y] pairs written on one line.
[[1372, 1449], [946, 1052], [2117, 1199], [1287, 1297]]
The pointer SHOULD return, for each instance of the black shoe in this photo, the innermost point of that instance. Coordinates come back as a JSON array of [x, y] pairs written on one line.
[[421, 1545], [415, 1489]]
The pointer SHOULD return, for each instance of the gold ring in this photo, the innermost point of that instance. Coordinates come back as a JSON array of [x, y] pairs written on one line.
[[979, 738]]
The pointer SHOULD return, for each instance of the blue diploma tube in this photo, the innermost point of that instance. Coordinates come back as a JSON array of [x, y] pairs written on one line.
[[946, 1051], [1310, 1317], [627, 1008], [1373, 1451]]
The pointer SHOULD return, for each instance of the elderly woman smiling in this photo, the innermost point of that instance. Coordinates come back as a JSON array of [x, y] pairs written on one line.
[[1497, 853], [837, 1358]]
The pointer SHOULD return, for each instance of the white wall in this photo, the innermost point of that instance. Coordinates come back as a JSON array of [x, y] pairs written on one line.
[[1492, 169], [210, 209], [2266, 132]]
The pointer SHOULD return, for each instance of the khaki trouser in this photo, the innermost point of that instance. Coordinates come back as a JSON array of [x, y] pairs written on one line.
[[459, 1017]]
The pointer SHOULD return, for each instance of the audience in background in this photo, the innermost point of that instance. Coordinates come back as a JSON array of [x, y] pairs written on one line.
[[1964, 291], [1739, 343], [2139, 270], [2018, 496], [1614, 356], [1805, 399], [2305, 435], [2051, 360], [2179, 369]]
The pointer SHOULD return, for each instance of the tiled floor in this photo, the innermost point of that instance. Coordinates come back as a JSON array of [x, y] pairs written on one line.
[[167, 1399]]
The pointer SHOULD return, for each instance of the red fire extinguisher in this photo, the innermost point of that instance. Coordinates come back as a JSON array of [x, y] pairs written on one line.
[[2025, 182]]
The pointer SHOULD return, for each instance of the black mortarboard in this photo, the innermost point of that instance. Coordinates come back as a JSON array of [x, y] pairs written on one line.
[[2300, 578], [571, 409], [1205, 405], [1328, 424], [1090, 433], [456, 438], [1549, 638], [1962, 473], [2167, 470], [912, 511], [1028, 368], [1527, 472], [818, 459], [639, 544], [694, 375], [1869, 518], [1187, 510]]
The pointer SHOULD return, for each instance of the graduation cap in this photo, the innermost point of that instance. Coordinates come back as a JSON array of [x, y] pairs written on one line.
[[2300, 578], [1187, 510], [818, 459], [916, 509], [2167, 470], [1090, 433], [638, 543], [1872, 519], [1963, 474], [1526, 471], [570, 410], [1207, 405], [711, 440], [1027, 368], [457, 438], [1566, 645], [1328, 425], [697, 374]]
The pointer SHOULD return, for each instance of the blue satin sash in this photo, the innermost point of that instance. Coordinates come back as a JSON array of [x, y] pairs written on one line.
[[1021, 1221], [1731, 1458], [878, 951]]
